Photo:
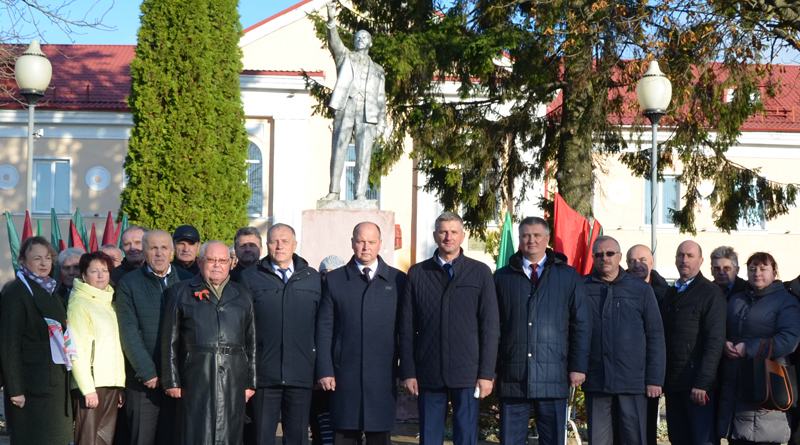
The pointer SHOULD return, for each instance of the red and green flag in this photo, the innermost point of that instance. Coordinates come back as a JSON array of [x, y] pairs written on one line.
[[13, 241]]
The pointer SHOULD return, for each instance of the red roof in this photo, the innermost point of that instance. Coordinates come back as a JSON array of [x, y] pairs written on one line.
[[781, 113], [86, 77], [95, 77]]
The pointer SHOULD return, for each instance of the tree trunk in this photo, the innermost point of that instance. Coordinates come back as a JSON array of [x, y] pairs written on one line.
[[574, 158]]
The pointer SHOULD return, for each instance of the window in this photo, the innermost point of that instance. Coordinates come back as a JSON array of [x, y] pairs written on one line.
[[51, 185], [255, 179], [350, 176], [754, 222], [668, 198]]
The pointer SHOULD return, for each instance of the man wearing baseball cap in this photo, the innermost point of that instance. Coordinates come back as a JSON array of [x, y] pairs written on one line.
[[187, 245]]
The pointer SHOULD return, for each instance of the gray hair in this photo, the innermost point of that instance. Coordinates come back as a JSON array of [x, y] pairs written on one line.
[[231, 250], [245, 231], [725, 252], [150, 233], [535, 220], [132, 228], [604, 238], [279, 225], [448, 216], [209, 243], [110, 246], [355, 229], [68, 254]]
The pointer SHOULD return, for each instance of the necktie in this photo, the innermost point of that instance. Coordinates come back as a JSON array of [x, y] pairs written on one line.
[[534, 274], [366, 272], [448, 268], [163, 281], [283, 274]]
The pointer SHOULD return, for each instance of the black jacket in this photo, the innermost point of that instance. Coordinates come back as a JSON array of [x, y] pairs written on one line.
[[694, 327], [285, 319], [120, 271], [449, 331], [139, 304], [793, 287], [659, 285], [739, 285], [544, 332], [628, 351], [357, 344], [208, 350], [237, 272], [192, 268]]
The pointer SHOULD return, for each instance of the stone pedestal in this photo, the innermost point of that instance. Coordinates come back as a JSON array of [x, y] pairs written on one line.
[[328, 232]]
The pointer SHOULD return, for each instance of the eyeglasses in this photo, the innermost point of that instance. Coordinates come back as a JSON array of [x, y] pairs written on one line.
[[599, 255], [222, 261], [717, 269]]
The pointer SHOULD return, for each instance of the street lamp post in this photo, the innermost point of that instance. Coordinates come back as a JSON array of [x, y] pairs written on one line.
[[32, 72], [654, 92]]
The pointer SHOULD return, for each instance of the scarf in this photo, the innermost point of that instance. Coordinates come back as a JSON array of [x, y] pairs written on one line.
[[45, 282]]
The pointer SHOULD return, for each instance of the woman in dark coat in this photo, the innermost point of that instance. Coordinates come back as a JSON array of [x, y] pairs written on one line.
[[208, 345], [39, 388], [763, 311]]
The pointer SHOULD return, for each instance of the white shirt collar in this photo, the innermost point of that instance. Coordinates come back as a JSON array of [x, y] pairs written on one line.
[[372, 268], [169, 271], [442, 263], [289, 269], [527, 266]]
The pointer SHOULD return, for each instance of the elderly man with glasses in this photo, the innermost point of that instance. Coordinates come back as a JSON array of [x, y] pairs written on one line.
[[626, 362], [208, 346], [286, 294]]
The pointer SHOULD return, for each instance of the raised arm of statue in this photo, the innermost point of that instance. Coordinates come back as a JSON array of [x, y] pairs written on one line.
[[338, 50]]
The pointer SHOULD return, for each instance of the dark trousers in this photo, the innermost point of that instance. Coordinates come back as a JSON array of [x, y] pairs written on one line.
[[433, 410], [96, 426], [612, 414], [319, 418], [287, 403], [652, 420], [690, 424], [151, 415], [352, 437], [515, 415]]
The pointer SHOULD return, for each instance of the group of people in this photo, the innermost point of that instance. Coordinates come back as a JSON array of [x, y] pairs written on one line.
[[175, 344]]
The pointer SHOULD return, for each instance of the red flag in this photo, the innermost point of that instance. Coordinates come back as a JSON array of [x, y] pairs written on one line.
[[93, 240], [27, 231], [109, 234], [571, 230], [117, 234], [588, 263], [61, 245], [74, 237]]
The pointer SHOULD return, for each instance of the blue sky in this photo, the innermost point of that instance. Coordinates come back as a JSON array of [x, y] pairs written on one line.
[[124, 16]]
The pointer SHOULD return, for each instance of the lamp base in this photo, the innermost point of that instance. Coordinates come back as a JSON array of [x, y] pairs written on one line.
[[32, 96], [654, 115]]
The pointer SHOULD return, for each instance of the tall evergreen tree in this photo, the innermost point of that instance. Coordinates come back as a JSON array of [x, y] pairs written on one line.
[[186, 156]]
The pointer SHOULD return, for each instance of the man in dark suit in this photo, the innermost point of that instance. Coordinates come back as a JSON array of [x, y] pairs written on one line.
[[139, 305], [449, 326], [357, 342], [544, 340], [286, 293]]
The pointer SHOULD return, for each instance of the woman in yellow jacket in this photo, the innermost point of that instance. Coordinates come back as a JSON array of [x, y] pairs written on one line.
[[99, 372]]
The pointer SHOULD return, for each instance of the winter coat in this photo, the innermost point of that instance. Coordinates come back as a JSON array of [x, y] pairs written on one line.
[[120, 271], [739, 285], [208, 350], [285, 319], [139, 305], [660, 286], [28, 365], [357, 344], [694, 329], [94, 327], [628, 351], [544, 331], [449, 331], [752, 316]]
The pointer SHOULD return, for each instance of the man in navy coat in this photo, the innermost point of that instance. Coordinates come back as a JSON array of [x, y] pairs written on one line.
[[357, 342], [449, 329]]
